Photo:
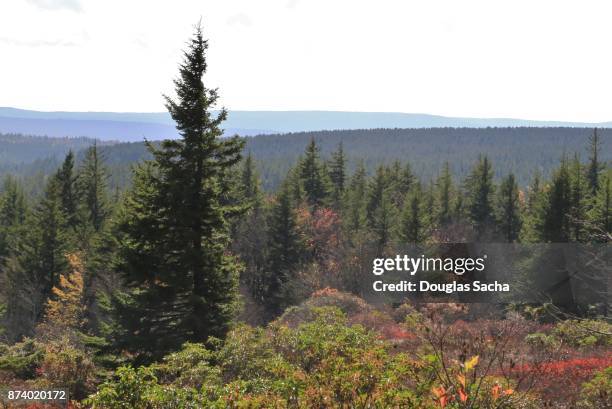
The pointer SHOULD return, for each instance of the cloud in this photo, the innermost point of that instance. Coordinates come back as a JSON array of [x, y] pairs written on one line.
[[241, 19], [73, 5]]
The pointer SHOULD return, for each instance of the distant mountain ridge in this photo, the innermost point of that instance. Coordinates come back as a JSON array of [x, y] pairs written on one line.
[[129, 127]]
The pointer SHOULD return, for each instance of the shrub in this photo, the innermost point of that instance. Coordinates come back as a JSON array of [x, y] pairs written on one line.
[[64, 365], [584, 333], [190, 367], [21, 359], [348, 304], [139, 389], [597, 393], [546, 341]]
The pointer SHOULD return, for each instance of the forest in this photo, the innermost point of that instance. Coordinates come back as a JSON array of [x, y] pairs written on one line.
[[521, 151], [198, 283]]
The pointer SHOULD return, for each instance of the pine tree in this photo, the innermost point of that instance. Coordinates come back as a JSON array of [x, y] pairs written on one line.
[[429, 203], [173, 229], [250, 186], [594, 167], [67, 189], [250, 237], [480, 191], [578, 198], [92, 187], [34, 266], [284, 253], [12, 214], [534, 204], [312, 176], [407, 179], [412, 223], [377, 187], [509, 220], [356, 218], [444, 197], [295, 187], [384, 223], [337, 174], [553, 224], [601, 213]]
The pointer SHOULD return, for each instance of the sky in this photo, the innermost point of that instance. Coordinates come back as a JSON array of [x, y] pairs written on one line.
[[529, 59]]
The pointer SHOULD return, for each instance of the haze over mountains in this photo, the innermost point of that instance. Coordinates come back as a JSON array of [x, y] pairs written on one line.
[[131, 127]]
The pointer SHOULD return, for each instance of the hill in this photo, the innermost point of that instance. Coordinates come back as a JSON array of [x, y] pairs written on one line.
[[133, 127]]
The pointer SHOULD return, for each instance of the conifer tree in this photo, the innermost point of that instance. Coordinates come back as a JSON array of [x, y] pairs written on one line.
[[534, 204], [294, 181], [480, 191], [407, 179], [553, 224], [356, 218], [377, 187], [284, 253], [601, 213], [384, 223], [173, 230], [250, 238], [412, 225], [594, 166], [337, 174], [312, 176], [250, 187], [34, 266], [578, 200], [12, 213], [444, 197], [92, 187], [67, 189], [509, 220]]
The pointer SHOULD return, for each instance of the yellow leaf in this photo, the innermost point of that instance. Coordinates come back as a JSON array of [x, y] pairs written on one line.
[[471, 363]]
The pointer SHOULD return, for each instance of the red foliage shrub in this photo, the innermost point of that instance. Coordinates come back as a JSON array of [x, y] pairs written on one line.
[[561, 379]]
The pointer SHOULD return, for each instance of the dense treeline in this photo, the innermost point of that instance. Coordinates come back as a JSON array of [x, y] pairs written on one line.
[[93, 278], [521, 151]]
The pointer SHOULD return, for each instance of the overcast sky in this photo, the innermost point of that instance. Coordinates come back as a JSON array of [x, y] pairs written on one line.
[[532, 59]]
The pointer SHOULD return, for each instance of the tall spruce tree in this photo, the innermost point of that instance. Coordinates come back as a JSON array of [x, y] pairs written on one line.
[[12, 214], [377, 187], [284, 253], [554, 222], [313, 176], [36, 262], [594, 167], [355, 212], [67, 179], [250, 237], [250, 188], [578, 199], [407, 179], [508, 213], [601, 213], [92, 187], [173, 230], [412, 221], [444, 197], [480, 191], [384, 223], [337, 174]]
